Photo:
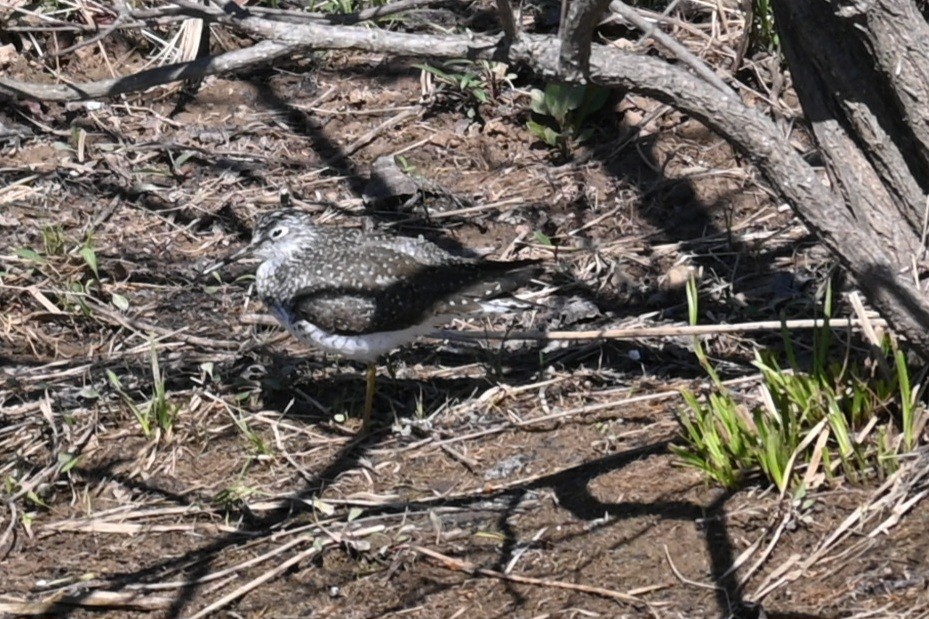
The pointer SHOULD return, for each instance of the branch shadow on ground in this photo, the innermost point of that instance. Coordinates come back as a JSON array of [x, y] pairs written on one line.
[[570, 486]]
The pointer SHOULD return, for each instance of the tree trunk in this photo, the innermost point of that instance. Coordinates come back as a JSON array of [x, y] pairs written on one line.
[[861, 72]]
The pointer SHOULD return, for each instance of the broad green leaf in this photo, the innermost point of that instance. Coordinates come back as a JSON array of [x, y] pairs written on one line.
[[30, 254], [537, 102], [87, 253], [543, 239]]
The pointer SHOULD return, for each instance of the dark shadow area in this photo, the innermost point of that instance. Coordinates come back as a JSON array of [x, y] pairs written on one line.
[[569, 485]]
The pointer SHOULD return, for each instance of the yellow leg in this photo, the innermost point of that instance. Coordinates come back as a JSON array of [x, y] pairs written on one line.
[[369, 398]]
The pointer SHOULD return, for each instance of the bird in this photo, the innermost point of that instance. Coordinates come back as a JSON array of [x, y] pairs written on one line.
[[361, 294]]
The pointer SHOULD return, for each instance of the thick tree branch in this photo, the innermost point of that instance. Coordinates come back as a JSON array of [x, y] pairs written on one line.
[[632, 16], [507, 20], [899, 37], [256, 55], [864, 138]]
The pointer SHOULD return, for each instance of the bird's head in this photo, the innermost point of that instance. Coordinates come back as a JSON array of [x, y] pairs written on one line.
[[277, 232]]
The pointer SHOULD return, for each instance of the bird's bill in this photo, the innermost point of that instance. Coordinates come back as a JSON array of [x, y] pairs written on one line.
[[233, 257]]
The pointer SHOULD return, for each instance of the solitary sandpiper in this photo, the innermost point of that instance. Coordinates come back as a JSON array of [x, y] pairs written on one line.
[[361, 294]]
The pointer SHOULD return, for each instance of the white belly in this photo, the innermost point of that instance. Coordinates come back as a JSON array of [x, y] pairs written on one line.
[[367, 348]]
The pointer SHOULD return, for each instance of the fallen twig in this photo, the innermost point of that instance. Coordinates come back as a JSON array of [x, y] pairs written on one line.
[[123, 600]]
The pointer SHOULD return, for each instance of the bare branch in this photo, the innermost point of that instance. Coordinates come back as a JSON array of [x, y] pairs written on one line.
[[576, 34], [632, 16], [506, 19], [195, 69]]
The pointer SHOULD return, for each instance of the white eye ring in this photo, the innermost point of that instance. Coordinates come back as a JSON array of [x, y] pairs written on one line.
[[278, 232]]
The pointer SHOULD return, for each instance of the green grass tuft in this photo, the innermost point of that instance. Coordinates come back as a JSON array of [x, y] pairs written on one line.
[[843, 417]]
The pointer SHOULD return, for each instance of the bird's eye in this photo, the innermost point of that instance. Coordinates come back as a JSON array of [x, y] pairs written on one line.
[[278, 232]]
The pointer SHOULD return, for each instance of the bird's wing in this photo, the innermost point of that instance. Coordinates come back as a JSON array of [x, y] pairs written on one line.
[[422, 251], [374, 288]]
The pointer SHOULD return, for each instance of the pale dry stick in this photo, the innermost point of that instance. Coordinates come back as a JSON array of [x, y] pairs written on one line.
[[867, 325], [580, 411], [880, 497], [8, 187], [663, 331], [238, 567], [133, 529], [904, 504], [412, 146], [27, 486], [628, 333], [9, 528], [260, 580], [897, 512], [305, 474], [259, 416], [131, 512], [812, 467], [375, 12], [811, 435], [470, 568], [138, 326], [373, 134], [273, 417], [121, 19], [471, 210], [521, 551], [595, 221], [632, 16], [355, 113], [684, 579], [96, 599], [778, 532], [457, 439], [469, 463]]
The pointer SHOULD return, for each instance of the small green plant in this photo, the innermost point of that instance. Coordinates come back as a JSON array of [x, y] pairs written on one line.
[[53, 240], [159, 413], [405, 165], [86, 250], [234, 497], [258, 444], [469, 84], [763, 31], [461, 80], [561, 110], [342, 6], [160, 409], [850, 417], [56, 258]]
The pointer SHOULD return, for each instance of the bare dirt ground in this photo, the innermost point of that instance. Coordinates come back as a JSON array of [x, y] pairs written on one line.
[[525, 479]]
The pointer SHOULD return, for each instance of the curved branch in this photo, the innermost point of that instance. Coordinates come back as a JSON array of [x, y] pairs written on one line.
[[632, 16], [143, 80]]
